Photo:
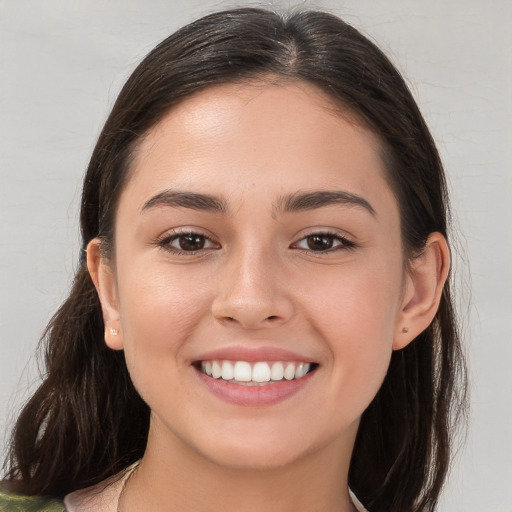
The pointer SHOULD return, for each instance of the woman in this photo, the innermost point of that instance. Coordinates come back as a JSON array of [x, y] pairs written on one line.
[[261, 317]]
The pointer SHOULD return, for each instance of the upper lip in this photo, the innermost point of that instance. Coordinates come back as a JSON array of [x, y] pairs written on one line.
[[252, 354]]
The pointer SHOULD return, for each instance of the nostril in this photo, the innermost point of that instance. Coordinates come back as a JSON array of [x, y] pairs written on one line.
[[272, 317]]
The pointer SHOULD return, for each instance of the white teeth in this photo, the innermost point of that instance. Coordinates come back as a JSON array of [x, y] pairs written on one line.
[[289, 371], [227, 371], [243, 371], [216, 370], [277, 372], [260, 372]]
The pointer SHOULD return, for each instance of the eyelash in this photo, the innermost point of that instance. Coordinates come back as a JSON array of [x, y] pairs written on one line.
[[343, 242], [166, 241]]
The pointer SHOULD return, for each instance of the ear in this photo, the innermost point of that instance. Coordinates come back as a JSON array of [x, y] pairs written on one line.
[[422, 291], [103, 277]]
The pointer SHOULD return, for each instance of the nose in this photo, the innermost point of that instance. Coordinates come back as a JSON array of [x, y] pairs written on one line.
[[252, 292]]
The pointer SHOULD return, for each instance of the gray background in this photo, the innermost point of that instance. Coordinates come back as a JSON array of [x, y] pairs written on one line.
[[61, 66]]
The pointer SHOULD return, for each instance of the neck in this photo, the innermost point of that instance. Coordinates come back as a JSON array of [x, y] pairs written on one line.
[[172, 477]]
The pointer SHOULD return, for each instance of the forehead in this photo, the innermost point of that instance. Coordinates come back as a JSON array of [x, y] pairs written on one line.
[[270, 138]]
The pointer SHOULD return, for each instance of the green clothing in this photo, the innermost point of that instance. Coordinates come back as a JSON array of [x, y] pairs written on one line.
[[10, 502]]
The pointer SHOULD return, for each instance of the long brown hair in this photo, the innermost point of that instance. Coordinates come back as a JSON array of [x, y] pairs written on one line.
[[87, 422]]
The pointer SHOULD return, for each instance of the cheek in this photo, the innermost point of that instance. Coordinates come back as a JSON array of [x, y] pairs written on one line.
[[360, 302], [157, 304], [356, 314], [159, 313]]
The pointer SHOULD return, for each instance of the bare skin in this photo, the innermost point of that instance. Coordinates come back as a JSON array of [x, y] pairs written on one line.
[[255, 268]]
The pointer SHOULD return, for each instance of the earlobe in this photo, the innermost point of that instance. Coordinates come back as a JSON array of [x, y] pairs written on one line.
[[103, 278], [423, 290]]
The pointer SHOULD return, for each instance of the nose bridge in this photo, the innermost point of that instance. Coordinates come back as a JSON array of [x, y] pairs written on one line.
[[252, 266], [252, 290]]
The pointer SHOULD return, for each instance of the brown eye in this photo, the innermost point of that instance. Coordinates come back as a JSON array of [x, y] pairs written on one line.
[[191, 242], [187, 243], [320, 242], [323, 242]]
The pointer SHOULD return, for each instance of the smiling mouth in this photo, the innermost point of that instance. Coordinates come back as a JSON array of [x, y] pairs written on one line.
[[255, 374]]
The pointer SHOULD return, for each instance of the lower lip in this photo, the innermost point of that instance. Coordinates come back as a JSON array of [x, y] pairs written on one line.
[[254, 396]]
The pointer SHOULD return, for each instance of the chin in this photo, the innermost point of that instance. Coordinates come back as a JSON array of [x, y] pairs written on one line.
[[253, 457], [262, 449]]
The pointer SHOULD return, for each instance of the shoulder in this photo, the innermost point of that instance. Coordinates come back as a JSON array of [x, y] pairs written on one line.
[[103, 496], [11, 502]]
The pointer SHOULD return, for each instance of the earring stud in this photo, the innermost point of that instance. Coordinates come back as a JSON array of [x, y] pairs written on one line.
[[113, 331]]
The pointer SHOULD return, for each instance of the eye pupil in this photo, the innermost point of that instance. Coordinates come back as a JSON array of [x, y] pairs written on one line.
[[320, 242], [191, 242]]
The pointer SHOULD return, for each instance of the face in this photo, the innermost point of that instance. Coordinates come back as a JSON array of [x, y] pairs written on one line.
[[256, 236]]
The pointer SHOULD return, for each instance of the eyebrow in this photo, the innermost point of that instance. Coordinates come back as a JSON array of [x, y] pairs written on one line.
[[191, 200], [318, 199], [291, 203]]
